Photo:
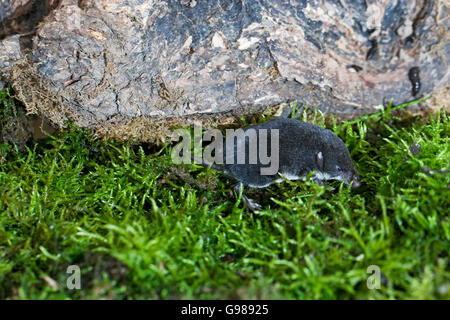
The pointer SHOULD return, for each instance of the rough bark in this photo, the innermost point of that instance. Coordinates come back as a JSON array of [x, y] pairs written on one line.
[[131, 69]]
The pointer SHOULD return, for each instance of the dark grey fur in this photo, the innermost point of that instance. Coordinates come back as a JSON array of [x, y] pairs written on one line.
[[300, 145]]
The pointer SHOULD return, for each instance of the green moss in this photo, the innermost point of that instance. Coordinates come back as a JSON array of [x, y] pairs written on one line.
[[137, 230]]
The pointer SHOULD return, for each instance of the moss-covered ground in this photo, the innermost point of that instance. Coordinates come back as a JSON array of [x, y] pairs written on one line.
[[139, 226]]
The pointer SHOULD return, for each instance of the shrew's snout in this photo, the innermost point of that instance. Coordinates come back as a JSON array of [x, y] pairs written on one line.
[[356, 182]]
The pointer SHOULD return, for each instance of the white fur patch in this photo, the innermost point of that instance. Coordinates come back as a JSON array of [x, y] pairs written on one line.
[[260, 186], [322, 176], [292, 177]]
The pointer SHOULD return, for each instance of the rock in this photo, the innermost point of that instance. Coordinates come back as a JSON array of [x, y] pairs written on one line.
[[17, 127], [132, 69], [22, 16]]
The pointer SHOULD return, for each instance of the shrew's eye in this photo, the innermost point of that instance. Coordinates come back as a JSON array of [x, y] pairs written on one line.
[[338, 169]]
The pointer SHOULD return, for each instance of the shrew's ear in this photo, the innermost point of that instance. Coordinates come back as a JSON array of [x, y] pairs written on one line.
[[319, 160]]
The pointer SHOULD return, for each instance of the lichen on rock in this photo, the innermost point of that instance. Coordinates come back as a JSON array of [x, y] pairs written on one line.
[[111, 65]]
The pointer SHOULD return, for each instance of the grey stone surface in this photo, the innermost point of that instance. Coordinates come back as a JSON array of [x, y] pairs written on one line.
[[108, 63]]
